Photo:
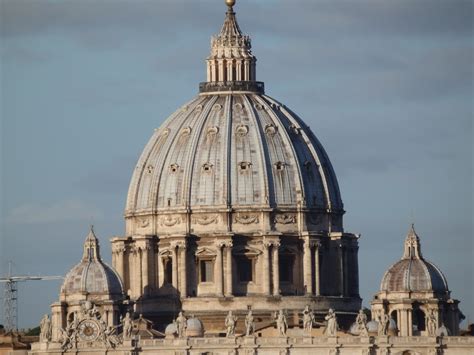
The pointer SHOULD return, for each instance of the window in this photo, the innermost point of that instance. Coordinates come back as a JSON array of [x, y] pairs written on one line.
[[168, 271], [285, 267], [244, 269], [206, 269]]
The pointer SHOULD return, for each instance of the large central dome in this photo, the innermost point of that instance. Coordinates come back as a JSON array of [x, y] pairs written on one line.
[[234, 203], [233, 149], [231, 153]]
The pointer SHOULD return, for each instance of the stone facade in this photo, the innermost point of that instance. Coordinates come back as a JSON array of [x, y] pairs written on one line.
[[414, 292], [234, 244], [234, 202]]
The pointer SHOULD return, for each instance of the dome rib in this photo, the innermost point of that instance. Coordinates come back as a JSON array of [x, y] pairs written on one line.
[[297, 169], [314, 146], [265, 176], [196, 135]]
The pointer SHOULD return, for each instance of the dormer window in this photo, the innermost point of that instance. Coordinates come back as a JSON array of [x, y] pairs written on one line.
[[245, 166], [174, 168], [207, 167], [279, 166]]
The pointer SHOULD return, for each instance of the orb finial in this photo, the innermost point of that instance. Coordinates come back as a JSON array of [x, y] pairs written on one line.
[[230, 3]]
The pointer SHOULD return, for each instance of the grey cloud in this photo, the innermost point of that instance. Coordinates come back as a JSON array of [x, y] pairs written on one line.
[[34, 213], [369, 17]]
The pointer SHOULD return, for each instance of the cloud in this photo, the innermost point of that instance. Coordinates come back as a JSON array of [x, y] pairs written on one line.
[[69, 210]]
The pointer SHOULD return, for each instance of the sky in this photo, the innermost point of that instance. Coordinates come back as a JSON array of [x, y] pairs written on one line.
[[387, 87]]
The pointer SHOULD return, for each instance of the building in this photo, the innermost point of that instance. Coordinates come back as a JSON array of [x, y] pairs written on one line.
[[233, 216]]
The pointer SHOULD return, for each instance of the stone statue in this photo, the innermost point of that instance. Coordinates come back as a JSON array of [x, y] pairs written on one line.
[[45, 328], [361, 324], [383, 324], [65, 339], [127, 326], [281, 322], [308, 320], [249, 324], [110, 337], [181, 321], [230, 322], [432, 323], [332, 326]]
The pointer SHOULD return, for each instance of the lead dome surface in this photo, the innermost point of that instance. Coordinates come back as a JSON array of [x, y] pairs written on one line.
[[221, 151], [91, 275]]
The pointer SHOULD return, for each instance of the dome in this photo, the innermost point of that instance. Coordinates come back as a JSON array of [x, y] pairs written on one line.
[[233, 149], [373, 327], [91, 275], [194, 327], [413, 273], [171, 330]]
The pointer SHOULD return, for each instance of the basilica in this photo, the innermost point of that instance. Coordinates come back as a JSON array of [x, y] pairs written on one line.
[[235, 244]]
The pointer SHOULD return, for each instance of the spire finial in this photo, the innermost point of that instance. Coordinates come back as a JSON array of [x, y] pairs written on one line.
[[91, 246], [230, 3], [412, 245]]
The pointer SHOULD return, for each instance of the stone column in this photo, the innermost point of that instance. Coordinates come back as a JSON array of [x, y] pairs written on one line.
[[218, 268], [266, 269], [238, 70], [341, 267], [228, 276], [118, 251], [307, 277], [276, 269], [317, 286], [410, 322], [246, 70], [174, 264], [209, 78], [144, 266], [182, 270]]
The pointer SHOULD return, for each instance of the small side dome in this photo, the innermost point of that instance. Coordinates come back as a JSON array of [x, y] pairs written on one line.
[[372, 327], [413, 273], [194, 327], [171, 330], [92, 275]]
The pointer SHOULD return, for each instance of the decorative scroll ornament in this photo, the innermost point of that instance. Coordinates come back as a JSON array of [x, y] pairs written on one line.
[[212, 131], [206, 219], [241, 130], [285, 219], [170, 220], [165, 132], [88, 326], [186, 131], [271, 129], [238, 107], [246, 218], [143, 222]]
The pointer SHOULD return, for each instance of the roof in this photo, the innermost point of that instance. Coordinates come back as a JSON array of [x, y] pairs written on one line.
[[413, 273], [91, 275]]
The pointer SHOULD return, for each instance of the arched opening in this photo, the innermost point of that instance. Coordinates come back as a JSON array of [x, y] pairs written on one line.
[[419, 323], [286, 265], [168, 267], [394, 316]]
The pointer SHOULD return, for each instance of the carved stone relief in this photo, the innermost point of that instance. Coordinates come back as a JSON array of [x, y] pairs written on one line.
[[246, 218], [170, 220], [205, 219], [285, 219]]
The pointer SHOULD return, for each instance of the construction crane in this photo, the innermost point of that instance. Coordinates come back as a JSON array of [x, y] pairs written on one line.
[[10, 300]]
